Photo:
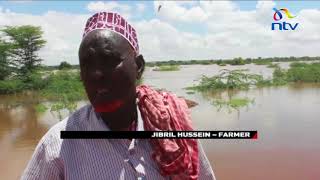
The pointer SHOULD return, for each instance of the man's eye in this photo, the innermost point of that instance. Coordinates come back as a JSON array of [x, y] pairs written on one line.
[[114, 61]]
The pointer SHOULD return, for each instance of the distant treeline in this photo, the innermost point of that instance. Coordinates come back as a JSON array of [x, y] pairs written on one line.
[[235, 61]]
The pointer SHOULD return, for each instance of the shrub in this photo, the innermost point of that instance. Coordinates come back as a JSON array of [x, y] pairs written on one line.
[[11, 86], [64, 65], [167, 68], [65, 85], [303, 72], [228, 79], [279, 77]]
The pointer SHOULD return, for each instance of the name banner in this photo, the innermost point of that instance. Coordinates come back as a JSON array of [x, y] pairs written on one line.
[[159, 135]]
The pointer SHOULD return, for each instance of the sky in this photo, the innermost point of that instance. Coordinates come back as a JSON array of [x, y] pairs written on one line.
[[181, 30]]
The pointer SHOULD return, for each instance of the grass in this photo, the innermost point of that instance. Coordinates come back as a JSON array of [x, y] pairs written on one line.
[[234, 103], [167, 68], [41, 108]]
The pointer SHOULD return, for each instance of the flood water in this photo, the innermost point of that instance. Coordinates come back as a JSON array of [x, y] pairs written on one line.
[[287, 119]]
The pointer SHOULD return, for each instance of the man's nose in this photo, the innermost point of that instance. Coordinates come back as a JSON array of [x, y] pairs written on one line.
[[98, 74]]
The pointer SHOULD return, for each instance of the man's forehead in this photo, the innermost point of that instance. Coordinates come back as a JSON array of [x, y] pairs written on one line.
[[106, 40]]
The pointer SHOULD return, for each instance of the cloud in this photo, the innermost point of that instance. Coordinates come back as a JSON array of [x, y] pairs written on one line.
[[230, 31], [218, 7], [175, 11], [233, 32], [141, 7], [62, 31], [113, 6]]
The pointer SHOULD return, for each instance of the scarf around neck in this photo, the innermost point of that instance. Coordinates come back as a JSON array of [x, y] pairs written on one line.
[[163, 111]]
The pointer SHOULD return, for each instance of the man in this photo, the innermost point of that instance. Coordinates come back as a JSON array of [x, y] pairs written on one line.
[[110, 64]]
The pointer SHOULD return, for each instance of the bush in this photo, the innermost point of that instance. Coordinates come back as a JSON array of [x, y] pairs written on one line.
[[228, 79], [237, 61], [298, 64], [167, 68], [34, 81], [303, 72], [64, 65], [279, 77], [12, 86], [64, 85]]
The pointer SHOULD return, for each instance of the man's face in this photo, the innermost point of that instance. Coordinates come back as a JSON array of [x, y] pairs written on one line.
[[108, 69]]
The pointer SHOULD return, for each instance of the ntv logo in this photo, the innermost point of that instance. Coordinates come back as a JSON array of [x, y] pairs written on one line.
[[284, 25]]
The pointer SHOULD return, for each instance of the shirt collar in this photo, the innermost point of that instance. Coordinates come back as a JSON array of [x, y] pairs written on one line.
[[97, 124]]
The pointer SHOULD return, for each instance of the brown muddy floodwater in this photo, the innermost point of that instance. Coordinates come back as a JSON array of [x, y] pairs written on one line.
[[287, 119]]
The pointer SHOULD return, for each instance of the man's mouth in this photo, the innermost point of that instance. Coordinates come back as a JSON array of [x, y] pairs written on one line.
[[106, 100], [108, 106]]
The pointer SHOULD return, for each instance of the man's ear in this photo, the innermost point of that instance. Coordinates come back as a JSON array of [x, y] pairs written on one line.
[[140, 65], [81, 75]]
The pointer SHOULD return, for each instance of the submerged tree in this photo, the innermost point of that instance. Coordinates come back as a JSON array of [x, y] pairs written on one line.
[[26, 41]]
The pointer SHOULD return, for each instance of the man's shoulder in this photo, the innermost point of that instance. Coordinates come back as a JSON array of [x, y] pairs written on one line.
[[78, 120], [75, 122]]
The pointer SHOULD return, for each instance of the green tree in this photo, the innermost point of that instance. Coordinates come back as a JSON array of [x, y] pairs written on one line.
[[64, 65], [26, 41], [5, 69]]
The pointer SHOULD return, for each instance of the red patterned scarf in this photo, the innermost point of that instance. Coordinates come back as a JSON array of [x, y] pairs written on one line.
[[163, 111]]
